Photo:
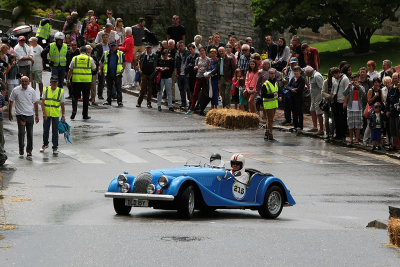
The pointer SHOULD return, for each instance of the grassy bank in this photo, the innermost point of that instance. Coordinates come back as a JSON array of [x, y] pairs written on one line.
[[382, 47]]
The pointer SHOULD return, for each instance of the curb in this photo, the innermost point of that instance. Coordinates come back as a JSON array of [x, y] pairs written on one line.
[[338, 143]]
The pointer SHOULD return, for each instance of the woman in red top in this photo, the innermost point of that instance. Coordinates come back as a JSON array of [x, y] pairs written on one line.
[[251, 82], [92, 29]]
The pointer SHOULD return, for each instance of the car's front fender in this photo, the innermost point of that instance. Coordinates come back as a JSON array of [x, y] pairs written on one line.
[[269, 181], [115, 187]]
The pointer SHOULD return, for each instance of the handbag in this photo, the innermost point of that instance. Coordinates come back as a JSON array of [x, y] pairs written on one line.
[[367, 111], [324, 105]]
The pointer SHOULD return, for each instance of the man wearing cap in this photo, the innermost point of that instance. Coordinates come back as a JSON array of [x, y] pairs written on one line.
[[147, 65], [27, 111], [52, 102], [289, 74], [80, 70], [24, 56], [114, 65], [44, 30]]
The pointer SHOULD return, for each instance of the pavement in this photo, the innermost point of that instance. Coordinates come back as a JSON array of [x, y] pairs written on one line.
[[307, 123]]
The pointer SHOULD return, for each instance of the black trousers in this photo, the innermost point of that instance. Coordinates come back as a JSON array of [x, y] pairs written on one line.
[[77, 90], [297, 109], [28, 128], [114, 82], [288, 107], [339, 116]]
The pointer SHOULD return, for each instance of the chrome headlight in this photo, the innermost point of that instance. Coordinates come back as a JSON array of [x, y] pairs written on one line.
[[125, 188], [163, 181], [121, 179], [150, 189]]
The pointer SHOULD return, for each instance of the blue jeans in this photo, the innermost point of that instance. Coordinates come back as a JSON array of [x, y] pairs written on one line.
[[168, 85], [54, 131], [184, 89], [214, 99], [60, 73]]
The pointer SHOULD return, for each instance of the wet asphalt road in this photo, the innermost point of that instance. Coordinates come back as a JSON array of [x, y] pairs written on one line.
[[62, 218]]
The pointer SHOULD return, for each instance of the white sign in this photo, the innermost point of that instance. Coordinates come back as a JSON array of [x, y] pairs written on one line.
[[238, 190]]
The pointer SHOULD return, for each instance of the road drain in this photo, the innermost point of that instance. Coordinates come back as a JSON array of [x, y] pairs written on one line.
[[181, 238]]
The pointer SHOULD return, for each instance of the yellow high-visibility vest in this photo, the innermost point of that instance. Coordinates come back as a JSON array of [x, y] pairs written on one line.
[[271, 103], [59, 58], [119, 63], [52, 101], [82, 71], [44, 31]]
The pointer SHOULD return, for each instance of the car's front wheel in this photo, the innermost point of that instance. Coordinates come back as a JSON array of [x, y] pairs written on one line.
[[273, 203], [186, 202], [120, 208]]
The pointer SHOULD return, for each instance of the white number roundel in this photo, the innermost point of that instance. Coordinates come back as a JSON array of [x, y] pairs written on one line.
[[238, 190]]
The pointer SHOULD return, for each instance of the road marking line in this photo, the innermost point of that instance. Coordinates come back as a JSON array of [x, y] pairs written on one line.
[[172, 155], [81, 156], [254, 156], [344, 158], [124, 155], [379, 157], [198, 152], [300, 157]]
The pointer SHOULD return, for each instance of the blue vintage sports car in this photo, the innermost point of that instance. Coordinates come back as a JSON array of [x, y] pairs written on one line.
[[202, 187]]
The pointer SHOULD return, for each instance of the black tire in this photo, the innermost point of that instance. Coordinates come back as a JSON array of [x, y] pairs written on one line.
[[120, 208], [186, 202], [273, 203], [207, 210]]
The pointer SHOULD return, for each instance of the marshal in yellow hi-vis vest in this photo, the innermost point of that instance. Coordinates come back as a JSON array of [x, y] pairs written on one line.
[[271, 103], [58, 57], [52, 101], [82, 70], [44, 31], [119, 63]]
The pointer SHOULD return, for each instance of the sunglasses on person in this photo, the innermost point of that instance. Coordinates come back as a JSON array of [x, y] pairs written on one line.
[[233, 162]]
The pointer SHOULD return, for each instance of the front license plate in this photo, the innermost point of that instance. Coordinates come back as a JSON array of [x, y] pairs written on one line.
[[136, 202]]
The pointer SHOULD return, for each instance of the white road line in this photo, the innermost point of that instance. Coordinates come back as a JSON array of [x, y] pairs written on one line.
[[255, 156], [124, 155], [81, 156], [172, 155], [379, 157], [348, 159], [199, 152]]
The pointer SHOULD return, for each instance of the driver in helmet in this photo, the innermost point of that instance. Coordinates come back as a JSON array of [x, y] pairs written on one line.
[[237, 164]]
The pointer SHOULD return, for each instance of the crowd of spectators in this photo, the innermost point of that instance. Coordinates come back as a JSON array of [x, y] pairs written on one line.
[[230, 73]]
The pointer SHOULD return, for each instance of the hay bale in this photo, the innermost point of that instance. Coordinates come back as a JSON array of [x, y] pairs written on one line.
[[394, 231], [232, 119]]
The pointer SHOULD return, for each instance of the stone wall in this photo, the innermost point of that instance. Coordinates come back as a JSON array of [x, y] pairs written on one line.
[[224, 16]]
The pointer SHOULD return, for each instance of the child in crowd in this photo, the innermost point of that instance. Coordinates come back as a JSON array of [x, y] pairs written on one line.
[[354, 95], [12, 79], [376, 125], [242, 98], [235, 87]]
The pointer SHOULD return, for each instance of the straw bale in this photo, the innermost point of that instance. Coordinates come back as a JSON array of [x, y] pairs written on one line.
[[232, 119], [394, 231]]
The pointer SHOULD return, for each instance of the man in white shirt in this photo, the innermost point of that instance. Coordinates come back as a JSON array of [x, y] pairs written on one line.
[[24, 56], [112, 35], [37, 66], [26, 110]]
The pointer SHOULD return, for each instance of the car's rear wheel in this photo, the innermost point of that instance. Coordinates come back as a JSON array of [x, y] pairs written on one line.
[[120, 208], [186, 202], [273, 203]]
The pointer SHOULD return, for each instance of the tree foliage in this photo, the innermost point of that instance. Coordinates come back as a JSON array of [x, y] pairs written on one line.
[[355, 20]]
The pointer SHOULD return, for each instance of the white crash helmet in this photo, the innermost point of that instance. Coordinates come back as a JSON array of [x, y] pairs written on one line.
[[59, 36], [238, 158]]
